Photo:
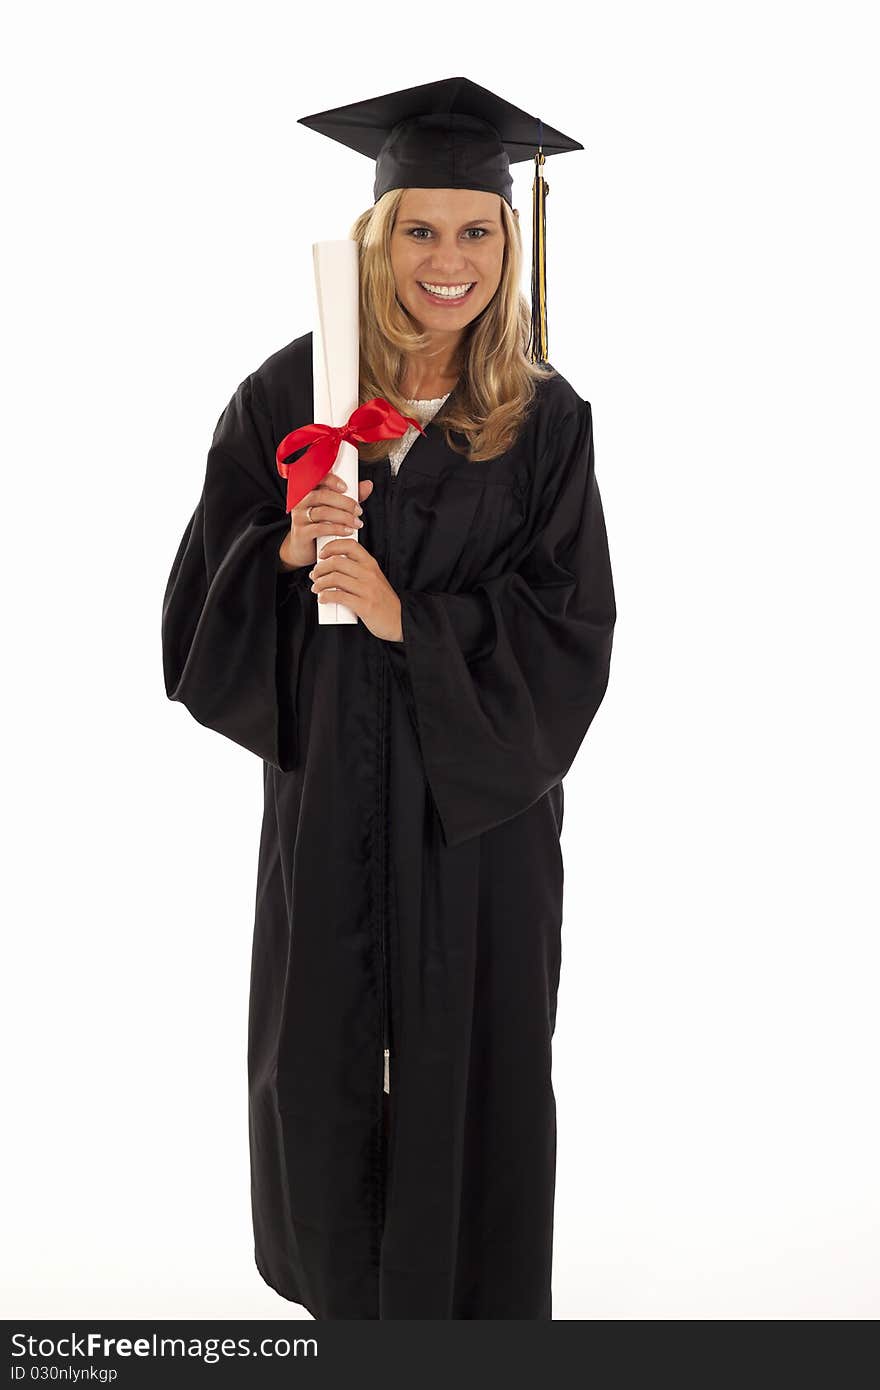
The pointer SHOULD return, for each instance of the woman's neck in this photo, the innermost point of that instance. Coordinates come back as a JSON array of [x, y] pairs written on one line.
[[428, 380], [427, 393]]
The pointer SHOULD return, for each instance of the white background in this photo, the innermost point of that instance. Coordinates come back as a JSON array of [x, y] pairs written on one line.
[[713, 292]]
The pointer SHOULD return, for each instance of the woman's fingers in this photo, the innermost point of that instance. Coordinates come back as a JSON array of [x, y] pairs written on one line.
[[339, 573], [338, 568], [330, 510]]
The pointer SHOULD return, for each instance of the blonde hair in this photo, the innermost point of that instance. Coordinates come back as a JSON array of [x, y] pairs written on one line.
[[497, 380]]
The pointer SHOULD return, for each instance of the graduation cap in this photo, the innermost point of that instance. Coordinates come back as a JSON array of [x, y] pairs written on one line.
[[454, 134]]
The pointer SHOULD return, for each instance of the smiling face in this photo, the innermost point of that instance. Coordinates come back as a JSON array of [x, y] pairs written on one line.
[[451, 239]]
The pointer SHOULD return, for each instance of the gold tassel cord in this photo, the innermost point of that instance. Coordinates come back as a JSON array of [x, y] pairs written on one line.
[[538, 343]]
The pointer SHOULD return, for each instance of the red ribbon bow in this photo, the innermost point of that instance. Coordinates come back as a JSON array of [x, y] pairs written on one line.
[[375, 419]]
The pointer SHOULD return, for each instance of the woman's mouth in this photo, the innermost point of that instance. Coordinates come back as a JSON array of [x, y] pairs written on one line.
[[445, 294]]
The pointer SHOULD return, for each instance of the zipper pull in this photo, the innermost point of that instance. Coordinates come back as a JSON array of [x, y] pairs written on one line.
[[387, 1071]]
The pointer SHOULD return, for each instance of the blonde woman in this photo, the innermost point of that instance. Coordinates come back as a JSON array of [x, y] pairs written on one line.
[[406, 948]]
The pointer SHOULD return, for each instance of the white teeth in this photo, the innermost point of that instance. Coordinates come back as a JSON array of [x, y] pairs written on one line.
[[446, 292]]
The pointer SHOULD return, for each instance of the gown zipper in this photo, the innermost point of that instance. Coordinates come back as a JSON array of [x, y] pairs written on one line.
[[392, 492], [386, 1003]]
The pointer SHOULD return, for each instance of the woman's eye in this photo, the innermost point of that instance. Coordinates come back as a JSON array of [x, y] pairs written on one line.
[[481, 230]]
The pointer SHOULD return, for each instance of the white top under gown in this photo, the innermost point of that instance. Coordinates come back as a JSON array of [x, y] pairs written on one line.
[[423, 411]]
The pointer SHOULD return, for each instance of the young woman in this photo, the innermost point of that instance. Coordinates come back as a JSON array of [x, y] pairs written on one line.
[[406, 949]]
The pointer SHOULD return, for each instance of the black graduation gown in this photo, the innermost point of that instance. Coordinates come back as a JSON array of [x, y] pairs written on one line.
[[409, 878]]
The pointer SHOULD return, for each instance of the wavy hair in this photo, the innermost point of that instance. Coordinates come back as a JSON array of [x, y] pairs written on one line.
[[497, 380]]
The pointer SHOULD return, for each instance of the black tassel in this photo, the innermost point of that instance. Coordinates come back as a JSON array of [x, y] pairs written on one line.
[[540, 188]]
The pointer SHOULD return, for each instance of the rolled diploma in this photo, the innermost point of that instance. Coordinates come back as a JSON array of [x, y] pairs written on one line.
[[336, 371]]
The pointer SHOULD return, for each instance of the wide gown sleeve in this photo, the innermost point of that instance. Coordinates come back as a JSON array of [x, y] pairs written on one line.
[[503, 681], [233, 623]]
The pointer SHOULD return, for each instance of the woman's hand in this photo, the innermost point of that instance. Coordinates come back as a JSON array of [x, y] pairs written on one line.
[[347, 573], [333, 510]]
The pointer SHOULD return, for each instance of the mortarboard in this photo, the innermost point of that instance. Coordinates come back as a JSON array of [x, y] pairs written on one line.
[[454, 134]]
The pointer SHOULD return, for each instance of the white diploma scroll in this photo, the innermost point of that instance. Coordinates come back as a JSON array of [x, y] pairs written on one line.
[[336, 366]]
